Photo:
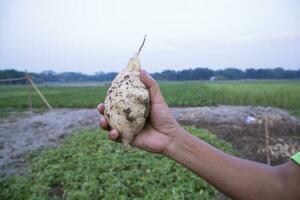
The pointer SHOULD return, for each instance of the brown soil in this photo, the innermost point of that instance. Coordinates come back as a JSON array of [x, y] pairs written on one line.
[[20, 134]]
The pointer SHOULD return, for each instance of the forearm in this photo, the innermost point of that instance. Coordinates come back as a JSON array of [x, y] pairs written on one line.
[[238, 178]]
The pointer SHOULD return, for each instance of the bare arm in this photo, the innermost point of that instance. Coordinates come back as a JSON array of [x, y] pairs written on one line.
[[236, 177]]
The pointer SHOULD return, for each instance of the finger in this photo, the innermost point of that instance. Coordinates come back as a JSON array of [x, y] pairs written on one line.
[[151, 84], [113, 135], [100, 108], [104, 124]]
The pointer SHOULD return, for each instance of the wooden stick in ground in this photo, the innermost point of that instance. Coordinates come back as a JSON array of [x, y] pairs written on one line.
[[39, 92], [29, 93], [266, 122]]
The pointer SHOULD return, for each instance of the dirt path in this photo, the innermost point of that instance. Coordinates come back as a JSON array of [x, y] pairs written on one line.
[[30, 132]]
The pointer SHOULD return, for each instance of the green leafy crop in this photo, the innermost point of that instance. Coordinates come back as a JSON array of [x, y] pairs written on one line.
[[89, 166]]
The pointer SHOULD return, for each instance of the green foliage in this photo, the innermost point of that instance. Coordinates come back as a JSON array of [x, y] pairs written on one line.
[[282, 94], [58, 97], [88, 166]]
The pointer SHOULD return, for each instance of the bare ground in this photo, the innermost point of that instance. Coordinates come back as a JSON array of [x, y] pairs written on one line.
[[242, 126]]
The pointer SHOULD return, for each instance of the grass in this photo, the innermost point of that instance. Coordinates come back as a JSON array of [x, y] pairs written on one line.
[[284, 94], [281, 94], [88, 166]]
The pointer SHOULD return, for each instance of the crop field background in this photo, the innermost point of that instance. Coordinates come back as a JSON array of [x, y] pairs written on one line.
[[89, 166], [281, 94]]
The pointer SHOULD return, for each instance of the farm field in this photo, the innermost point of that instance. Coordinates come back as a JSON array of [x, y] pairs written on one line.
[[86, 165], [89, 166], [281, 94], [222, 121]]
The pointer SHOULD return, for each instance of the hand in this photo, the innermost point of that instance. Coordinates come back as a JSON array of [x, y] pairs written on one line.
[[161, 127]]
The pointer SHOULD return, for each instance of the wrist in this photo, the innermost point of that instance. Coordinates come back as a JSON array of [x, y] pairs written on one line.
[[174, 144]]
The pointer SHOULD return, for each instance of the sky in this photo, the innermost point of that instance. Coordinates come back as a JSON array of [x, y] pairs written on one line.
[[90, 36]]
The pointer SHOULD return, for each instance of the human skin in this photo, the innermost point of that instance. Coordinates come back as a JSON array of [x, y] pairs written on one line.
[[237, 178]]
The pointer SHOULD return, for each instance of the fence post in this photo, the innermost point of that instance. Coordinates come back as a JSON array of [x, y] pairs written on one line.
[[39, 92], [28, 91], [266, 123]]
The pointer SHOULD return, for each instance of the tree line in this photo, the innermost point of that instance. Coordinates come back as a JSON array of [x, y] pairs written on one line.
[[171, 75], [227, 74]]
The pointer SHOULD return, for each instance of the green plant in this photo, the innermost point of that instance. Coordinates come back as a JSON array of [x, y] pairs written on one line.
[[88, 166], [281, 94]]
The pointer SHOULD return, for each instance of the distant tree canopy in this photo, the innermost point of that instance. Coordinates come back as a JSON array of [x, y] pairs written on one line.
[[171, 75], [227, 74], [11, 73], [187, 74]]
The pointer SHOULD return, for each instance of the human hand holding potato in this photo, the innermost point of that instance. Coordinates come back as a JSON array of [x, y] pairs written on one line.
[[161, 127]]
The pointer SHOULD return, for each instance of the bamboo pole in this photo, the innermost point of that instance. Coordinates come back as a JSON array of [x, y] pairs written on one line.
[[39, 92], [29, 93], [267, 140]]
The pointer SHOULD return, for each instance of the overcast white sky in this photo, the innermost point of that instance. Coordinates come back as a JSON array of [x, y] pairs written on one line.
[[96, 35]]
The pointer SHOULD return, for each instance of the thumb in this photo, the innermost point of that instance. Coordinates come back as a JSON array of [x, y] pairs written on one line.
[[151, 84]]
